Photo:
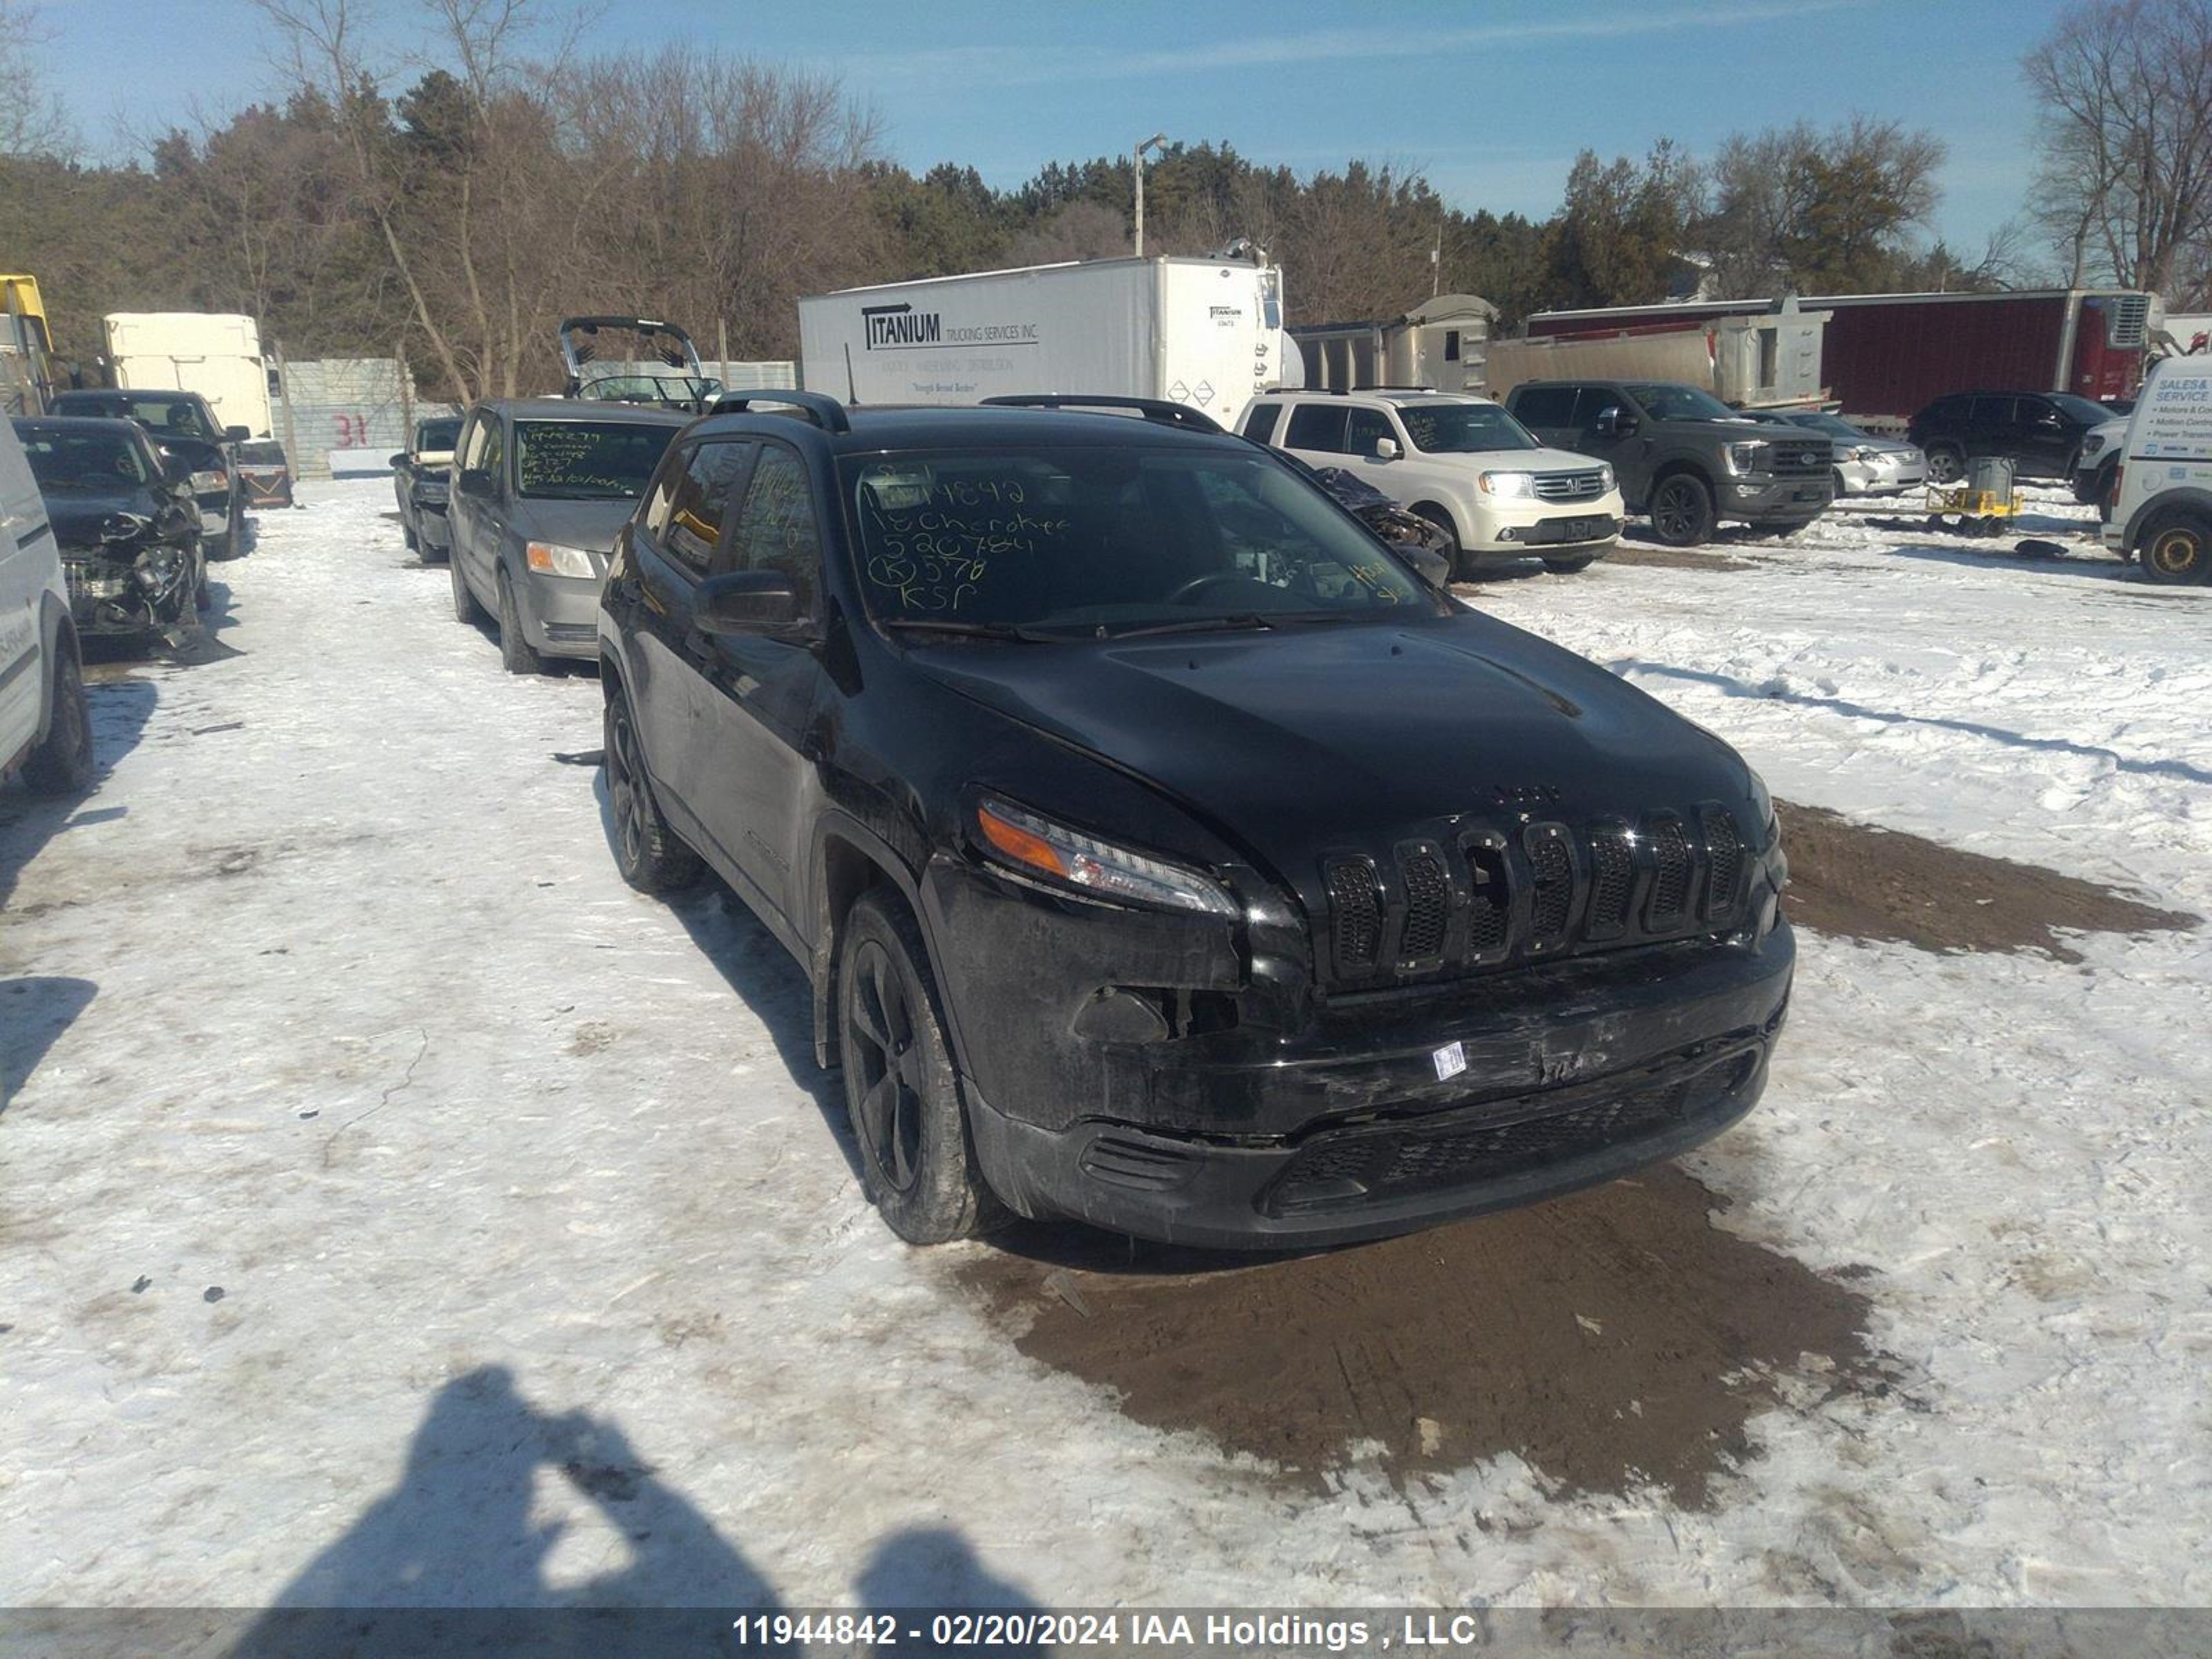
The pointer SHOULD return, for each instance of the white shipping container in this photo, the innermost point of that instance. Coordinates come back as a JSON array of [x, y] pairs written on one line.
[[1204, 333], [216, 355]]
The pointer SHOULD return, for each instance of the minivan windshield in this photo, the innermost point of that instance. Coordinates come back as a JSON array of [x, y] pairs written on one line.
[[1109, 540], [586, 460], [1463, 429], [1664, 401]]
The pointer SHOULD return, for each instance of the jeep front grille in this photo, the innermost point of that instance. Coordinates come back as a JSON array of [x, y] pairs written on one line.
[[1439, 906]]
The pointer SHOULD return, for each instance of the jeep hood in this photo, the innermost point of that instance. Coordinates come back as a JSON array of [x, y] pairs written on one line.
[[1291, 740]]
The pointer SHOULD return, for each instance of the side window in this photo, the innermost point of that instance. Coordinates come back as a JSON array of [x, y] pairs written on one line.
[[1451, 345], [1316, 426], [1260, 421], [469, 445], [775, 529], [690, 517], [1363, 428], [1993, 412], [494, 453], [1592, 401], [1545, 406]]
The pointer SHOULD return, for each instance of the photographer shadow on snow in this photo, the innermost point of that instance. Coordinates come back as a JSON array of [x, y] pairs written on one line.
[[459, 1557], [120, 710]]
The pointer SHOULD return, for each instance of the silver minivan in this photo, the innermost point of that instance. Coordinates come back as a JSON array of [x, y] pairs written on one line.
[[45, 728]]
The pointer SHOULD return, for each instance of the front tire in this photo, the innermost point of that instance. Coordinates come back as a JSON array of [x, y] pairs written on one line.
[[916, 1164], [1682, 510], [516, 654], [2177, 552], [1946, 464], [62, 763], [651, 857]]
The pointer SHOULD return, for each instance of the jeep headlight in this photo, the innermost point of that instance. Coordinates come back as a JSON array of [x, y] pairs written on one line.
[[1040, 849], [551, 559], [1508, 486], [1743, 458]]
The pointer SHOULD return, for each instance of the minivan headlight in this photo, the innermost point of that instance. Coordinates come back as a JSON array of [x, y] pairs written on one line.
[[552, 559], [1508, 486], [1037, 847]]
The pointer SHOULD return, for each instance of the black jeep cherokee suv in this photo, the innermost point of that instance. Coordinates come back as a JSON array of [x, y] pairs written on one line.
[[1161, 851]]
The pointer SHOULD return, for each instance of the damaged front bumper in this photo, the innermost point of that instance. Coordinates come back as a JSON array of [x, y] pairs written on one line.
[[129, 590], [1148, 1084]]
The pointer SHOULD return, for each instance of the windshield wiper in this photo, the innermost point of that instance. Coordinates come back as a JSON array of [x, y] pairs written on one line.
[[965, 629], [1247, 619]]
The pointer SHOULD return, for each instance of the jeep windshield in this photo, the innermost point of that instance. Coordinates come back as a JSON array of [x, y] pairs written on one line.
[[1016, 542], [1463, 429], [586, 460], [1663, 402]]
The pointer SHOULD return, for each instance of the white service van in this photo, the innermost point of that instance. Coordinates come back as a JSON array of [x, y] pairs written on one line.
[[46, 728], [2162, 502]]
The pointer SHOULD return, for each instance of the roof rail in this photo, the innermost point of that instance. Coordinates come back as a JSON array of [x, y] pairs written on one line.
[[823, 410], [1152, 409]]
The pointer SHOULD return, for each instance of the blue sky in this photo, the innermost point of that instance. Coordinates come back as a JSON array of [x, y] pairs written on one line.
[[1491, 97]]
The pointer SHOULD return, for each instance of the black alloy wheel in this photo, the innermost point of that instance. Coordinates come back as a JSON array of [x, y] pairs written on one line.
[[1682, 510]]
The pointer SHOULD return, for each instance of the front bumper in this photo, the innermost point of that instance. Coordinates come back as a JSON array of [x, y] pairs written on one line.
[[1520, 529], [560, 614], [1265, 1117], [108, 599], [1766, 498]]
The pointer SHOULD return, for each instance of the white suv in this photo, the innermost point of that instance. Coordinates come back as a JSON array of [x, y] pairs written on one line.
[[45, 727], [1462, 463]]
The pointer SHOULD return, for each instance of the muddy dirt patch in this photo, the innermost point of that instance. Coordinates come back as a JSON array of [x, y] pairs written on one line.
[[1865, 883], [1675, 558], [1610, 1338]]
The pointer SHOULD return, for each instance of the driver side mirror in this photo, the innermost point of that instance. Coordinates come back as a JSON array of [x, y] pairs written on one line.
[[238, 434], [1613, 421], [762, 603], [1386, 449], [477, 481], [399, 459]]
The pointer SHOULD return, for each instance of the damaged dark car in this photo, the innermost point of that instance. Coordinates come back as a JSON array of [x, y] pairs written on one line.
[[1162, 851], [129, 532]]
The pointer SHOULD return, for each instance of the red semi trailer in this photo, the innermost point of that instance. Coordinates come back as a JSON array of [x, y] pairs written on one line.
[[1885, 357]]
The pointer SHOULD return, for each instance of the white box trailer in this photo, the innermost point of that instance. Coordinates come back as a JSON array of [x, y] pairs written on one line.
[[216, 355], [1204, 333]]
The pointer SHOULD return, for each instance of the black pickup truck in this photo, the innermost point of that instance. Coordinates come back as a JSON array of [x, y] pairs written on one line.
[[422, 478], [1683, 456], [1162, 850]]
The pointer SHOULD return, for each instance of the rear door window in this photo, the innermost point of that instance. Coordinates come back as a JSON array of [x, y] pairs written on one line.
[[1316, 426], [1994, 411], [1260, 421], [685, 514]]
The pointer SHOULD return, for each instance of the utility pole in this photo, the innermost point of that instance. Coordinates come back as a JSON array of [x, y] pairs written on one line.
[[1157, 141]]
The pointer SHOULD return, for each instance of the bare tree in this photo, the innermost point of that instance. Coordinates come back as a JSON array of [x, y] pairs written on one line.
[[31, 121], [2126, 90]]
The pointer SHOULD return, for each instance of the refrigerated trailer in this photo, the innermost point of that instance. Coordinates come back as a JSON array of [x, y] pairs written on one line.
[[1205, 333], [213, 353], [1886, 356]]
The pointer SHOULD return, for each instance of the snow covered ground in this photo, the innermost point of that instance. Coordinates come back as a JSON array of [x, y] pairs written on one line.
[[395, 1208]]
